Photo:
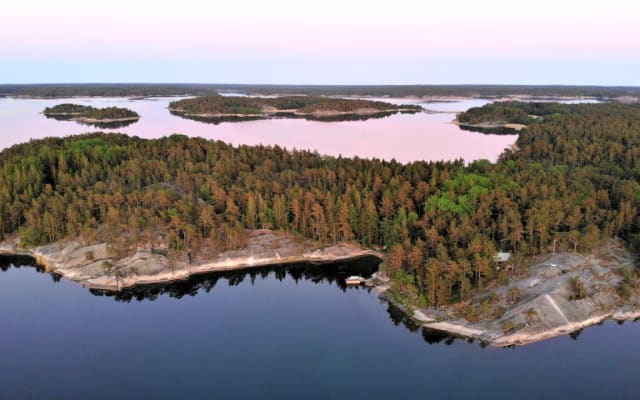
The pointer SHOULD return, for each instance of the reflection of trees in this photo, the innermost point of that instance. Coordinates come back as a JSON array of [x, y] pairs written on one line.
[[399, 316], [108, 125], [102, 125], [205, 283], [497, 130], [327, 273], [7, 262], [574, 335], [328, 118], [434, 336]]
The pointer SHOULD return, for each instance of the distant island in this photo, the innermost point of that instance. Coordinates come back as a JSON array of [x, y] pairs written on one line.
[[427, 92], [218, 107], [108, 117]]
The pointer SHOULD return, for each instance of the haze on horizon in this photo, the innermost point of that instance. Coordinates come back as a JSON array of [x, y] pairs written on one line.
[[330, 42]]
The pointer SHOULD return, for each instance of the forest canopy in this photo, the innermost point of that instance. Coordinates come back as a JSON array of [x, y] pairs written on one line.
[[88, 112], [572, 183], [221, 105]]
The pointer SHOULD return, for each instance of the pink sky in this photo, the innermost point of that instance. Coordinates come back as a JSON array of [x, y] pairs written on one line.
[[324, 42]]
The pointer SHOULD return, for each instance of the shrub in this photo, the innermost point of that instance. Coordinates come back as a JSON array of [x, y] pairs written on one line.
[[577, 288]]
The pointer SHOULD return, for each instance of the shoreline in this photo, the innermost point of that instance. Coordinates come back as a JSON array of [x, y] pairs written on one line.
[[491, 125], [94, 267], [269, 113], [518, 339], [544, 307], [148, 267], [89, 120]]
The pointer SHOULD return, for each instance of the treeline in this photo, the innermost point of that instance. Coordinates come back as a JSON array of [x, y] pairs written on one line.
[[572, 183], [106, 90], [89, 112], [495, 113], [144, 89], [217, 104]]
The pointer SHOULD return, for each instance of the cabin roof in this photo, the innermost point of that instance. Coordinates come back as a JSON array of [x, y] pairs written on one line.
[[502, 257]]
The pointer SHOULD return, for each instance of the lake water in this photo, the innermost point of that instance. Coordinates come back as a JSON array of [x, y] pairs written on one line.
[[279, 334], [405, 137], [276, 333]]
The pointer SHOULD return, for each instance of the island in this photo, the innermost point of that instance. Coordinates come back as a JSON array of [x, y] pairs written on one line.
[[218, 108], [108, 117], [541, 243]]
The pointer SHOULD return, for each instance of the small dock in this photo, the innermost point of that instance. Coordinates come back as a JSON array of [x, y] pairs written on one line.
[[355, 280]]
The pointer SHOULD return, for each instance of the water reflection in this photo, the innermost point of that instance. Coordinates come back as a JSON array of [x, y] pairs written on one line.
[[318, 274], [100, 125], [400, 317], [497, 130], [333, 274], [7, 262], [434, 336], [285, 115], [18, 261], [403, 137]]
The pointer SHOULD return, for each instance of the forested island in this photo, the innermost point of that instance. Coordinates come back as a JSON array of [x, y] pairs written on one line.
[[484, 250], [108, 117], [218, 107]]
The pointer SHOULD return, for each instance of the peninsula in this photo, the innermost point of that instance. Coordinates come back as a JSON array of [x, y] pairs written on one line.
[[540, 243]]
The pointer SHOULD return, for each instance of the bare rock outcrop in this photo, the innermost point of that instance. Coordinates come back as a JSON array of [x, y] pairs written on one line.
[[544, 303], [95, 266]]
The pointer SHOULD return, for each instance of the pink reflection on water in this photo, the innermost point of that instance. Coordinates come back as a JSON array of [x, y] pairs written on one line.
[[405, 137]]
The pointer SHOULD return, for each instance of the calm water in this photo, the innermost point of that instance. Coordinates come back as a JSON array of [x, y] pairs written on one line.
[[405, 137], [277, 334]]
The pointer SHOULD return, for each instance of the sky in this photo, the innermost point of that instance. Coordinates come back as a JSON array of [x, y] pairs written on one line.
[[322, 42]]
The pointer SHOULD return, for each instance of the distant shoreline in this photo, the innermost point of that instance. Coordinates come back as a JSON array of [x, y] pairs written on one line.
[[91, 120], [268, 113], [491, 125]]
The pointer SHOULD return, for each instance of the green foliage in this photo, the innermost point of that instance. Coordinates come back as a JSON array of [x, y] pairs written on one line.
[[76, 110], [495, 113], [572, 183], [578, 290], [30, 237], [221, 105], [629, 285]]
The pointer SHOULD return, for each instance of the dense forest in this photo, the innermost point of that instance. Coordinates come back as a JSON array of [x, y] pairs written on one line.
[[54, 90], [88, 112], [217, 104], [145, 89], [572, 183]]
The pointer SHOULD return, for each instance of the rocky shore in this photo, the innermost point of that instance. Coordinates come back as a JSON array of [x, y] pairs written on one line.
[[94, 265], [542, 303], [536, 305]]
